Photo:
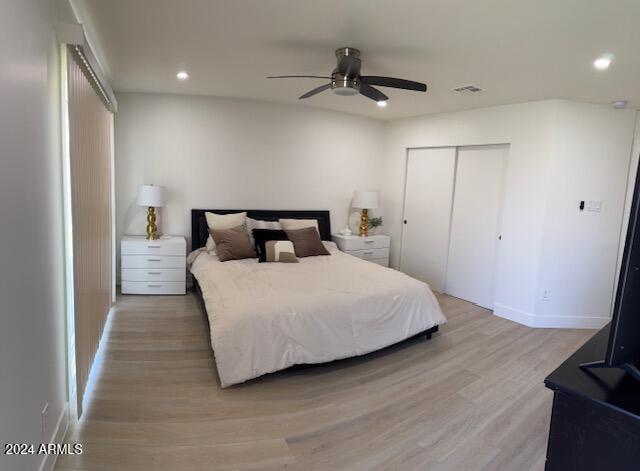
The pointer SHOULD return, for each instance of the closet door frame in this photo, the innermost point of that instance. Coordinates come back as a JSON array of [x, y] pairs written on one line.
[[501, 200]]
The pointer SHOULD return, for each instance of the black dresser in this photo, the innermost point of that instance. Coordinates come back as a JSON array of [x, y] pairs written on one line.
[[595, 422]]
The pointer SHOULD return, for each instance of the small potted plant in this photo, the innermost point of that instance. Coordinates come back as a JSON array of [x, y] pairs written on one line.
[[375, 224]]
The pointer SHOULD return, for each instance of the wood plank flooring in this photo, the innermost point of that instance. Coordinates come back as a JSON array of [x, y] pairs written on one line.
[[471, 398]]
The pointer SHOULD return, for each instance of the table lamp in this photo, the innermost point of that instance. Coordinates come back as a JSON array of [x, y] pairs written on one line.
[[152, 197], [365, 200]]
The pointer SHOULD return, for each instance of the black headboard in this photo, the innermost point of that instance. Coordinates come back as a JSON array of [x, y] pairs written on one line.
[[200, 232]]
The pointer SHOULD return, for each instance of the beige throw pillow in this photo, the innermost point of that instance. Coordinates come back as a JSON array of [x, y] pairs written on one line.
[[222, 221]]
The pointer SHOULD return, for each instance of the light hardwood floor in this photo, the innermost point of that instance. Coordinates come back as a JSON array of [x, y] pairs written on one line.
[[471, 398]]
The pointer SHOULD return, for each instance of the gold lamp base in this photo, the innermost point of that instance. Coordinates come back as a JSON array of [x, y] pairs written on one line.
[[152, 229], [364, 222]]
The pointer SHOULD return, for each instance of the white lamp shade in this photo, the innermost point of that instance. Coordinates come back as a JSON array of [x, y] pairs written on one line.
[[365, 200], [150, 195]]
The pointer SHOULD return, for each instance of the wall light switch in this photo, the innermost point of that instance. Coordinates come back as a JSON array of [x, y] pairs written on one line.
[[594, 206]]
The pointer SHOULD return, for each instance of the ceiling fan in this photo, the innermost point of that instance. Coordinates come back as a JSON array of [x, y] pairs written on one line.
[[346, 79]]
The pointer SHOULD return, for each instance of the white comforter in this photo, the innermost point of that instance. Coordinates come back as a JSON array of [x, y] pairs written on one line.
[[265, 317]]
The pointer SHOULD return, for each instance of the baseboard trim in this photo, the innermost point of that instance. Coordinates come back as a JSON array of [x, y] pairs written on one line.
[[549, 322], [57, 437]]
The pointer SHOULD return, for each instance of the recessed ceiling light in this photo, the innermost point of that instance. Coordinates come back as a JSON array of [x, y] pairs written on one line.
[[602, 63], [382, 103], [619, 104], [182, 75]]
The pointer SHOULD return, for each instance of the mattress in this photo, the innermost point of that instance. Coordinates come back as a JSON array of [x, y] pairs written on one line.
[[266, 317]]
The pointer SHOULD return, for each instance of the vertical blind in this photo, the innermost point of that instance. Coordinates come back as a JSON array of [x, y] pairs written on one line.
[[90, 125]]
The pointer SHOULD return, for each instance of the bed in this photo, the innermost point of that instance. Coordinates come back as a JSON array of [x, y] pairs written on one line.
[[266, 317]]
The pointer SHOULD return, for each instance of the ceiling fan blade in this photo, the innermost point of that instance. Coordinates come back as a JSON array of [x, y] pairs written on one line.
[[297, 76], [370, 92], [394, 83], [349, 66], [315, 91]]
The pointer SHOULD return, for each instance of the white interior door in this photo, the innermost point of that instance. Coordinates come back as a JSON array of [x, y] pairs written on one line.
[[427, 214], [475, 223]]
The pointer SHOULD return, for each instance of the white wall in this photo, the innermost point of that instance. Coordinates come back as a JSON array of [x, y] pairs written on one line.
[[32, 345], [548, 139], [578, 264], [230, 153]]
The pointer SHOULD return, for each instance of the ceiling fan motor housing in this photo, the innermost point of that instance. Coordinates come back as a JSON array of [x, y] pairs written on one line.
[[345, 84]]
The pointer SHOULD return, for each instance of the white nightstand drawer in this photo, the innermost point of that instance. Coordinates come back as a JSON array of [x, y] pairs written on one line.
[[370, 254], [153, 274], [362, 243], [153, 261], [141, 246], [153, 287]]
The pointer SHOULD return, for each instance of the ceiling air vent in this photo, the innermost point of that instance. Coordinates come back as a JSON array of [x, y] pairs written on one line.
[[468, 89]]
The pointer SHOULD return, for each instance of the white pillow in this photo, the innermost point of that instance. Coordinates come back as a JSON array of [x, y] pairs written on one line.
[[223, 221], [292, 224], [260, 224]]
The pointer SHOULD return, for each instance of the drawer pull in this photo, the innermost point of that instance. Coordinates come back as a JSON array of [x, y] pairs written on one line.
[[154, 246], [154, 273], [154, 260], [154, 286], [369, 241], [368, 253]]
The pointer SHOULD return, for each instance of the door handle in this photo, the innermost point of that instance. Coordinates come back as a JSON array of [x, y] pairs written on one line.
[[405, 221]]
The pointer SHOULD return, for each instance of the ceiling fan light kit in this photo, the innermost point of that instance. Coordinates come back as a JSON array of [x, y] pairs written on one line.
[[347, 81]]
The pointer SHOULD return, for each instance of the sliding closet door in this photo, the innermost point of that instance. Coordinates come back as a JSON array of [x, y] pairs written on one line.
[[427, 213], [475, 223], [90, 187]]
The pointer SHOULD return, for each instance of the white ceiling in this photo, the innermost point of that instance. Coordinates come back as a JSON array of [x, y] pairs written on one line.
[[515, 50]]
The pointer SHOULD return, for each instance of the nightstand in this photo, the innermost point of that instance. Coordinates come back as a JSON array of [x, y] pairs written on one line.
[[374, 248], [153, 266]]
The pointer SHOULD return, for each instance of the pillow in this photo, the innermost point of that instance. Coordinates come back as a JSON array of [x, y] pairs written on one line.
[[222, 221], [232, 244], [261, 236], [291, 224], [307, 242], [280, 251], [259, 224]]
